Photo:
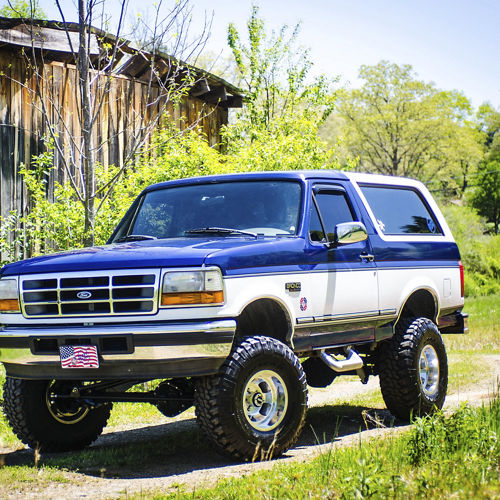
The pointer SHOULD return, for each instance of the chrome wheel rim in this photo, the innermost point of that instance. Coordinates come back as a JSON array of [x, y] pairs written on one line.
[[63, 410], [265, 400], [429, 371]]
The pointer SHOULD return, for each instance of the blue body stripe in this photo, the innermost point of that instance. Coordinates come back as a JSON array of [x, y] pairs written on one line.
[[329, 268]]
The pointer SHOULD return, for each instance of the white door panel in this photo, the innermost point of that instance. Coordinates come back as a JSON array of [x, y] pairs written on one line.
[[340, 293]]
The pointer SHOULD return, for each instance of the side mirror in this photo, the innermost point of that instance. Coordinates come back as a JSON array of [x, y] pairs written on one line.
[[350, 232]]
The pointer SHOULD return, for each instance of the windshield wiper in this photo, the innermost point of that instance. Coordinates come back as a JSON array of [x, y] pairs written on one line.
[[219, 230], [135, 237]]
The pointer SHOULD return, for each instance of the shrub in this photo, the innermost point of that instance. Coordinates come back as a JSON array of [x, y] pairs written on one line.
[[480, 252], [468, 432], [58, 224]]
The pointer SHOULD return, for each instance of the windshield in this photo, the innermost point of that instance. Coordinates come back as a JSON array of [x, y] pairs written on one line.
[[266, 208]]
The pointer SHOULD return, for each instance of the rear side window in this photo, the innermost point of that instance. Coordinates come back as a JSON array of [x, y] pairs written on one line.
[[400, 211]]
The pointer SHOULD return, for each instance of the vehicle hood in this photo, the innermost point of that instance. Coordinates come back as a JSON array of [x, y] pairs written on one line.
[[227, 253]]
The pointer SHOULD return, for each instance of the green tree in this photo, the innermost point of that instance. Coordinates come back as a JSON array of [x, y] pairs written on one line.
[[396, 124], [480, 252], [489, 123], [485, 192], [278, 126], [25, 9], [485, 197]]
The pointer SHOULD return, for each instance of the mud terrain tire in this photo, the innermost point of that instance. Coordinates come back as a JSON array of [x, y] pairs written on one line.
[[413, 369], [45, 425], [255, 408]]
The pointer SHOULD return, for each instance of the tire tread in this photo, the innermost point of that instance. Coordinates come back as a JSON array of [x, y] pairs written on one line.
[[399, 378], [208, 412], [18, 408]]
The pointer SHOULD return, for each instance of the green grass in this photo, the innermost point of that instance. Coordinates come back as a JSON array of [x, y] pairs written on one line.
[[18, 480], [371, 398], [468, 354], [467, 370], [21, 474], [134, 456], [135, 413], [484, 325], [7, 438], [441, 457]]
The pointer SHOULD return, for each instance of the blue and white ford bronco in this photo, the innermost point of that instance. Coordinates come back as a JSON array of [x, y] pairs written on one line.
[[234, 293]]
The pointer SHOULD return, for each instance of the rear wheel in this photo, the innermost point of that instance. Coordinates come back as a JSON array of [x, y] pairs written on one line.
[[255, 408], [49, 424], [413, 369]]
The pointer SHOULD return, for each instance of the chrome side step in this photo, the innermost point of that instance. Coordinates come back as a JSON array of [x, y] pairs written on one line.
[[350, 363]]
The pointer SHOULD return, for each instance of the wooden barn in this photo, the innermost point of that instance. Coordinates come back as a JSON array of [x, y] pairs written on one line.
[[38, 78]]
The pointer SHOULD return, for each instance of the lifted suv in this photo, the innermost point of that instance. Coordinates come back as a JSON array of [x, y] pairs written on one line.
[[234, 293]]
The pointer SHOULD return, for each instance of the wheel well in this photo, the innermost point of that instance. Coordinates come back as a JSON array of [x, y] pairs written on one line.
[[421, 303], [267, 317]]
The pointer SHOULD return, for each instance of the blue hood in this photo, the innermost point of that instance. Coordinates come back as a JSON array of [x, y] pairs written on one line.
[[228, 253]]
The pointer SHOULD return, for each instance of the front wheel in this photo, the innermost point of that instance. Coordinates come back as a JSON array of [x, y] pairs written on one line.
[[255, 408], [413, 369], [47, 423]]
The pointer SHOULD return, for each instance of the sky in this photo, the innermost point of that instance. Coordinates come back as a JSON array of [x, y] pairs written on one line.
[[453, 43]]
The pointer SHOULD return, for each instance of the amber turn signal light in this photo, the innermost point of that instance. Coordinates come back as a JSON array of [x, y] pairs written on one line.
[[195, 298], [9, 305]]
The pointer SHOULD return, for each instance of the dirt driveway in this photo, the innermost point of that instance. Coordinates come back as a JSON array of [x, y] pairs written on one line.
[[194, 464]]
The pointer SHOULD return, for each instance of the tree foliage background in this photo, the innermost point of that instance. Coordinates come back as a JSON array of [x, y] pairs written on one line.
[[284, 107], [396, 124], [26, 9], [485, 193]]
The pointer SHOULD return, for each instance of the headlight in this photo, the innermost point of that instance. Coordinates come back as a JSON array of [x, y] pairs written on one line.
[[9, 297], [192, 287]]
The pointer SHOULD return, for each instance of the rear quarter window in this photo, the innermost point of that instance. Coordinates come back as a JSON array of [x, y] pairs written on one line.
[[401, 211]]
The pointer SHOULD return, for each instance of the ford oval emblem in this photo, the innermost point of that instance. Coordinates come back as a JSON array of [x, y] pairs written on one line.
[[84, 295]]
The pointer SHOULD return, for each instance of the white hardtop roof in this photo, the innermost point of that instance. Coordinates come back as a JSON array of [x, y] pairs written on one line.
[[383, 179]]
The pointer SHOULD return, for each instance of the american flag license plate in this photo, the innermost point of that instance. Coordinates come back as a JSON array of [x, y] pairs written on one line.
[[79, 356]]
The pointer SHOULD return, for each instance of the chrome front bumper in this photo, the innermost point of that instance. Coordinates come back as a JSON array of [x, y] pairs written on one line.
[[123, 348]]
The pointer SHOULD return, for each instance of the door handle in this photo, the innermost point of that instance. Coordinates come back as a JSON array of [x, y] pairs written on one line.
[[367, 257]]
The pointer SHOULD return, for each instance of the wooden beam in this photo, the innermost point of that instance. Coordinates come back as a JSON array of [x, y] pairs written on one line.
[[216, 95], [201, 87], [45, 38], [233, 101], [133, 66]]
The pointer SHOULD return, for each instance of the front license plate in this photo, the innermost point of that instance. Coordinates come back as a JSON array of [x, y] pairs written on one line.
[[79, 356]]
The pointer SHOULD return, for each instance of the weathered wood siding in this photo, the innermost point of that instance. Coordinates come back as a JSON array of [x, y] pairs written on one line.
[[22, 125]]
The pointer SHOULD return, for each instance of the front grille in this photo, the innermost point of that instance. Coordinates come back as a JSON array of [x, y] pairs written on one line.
[[96, 294]]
